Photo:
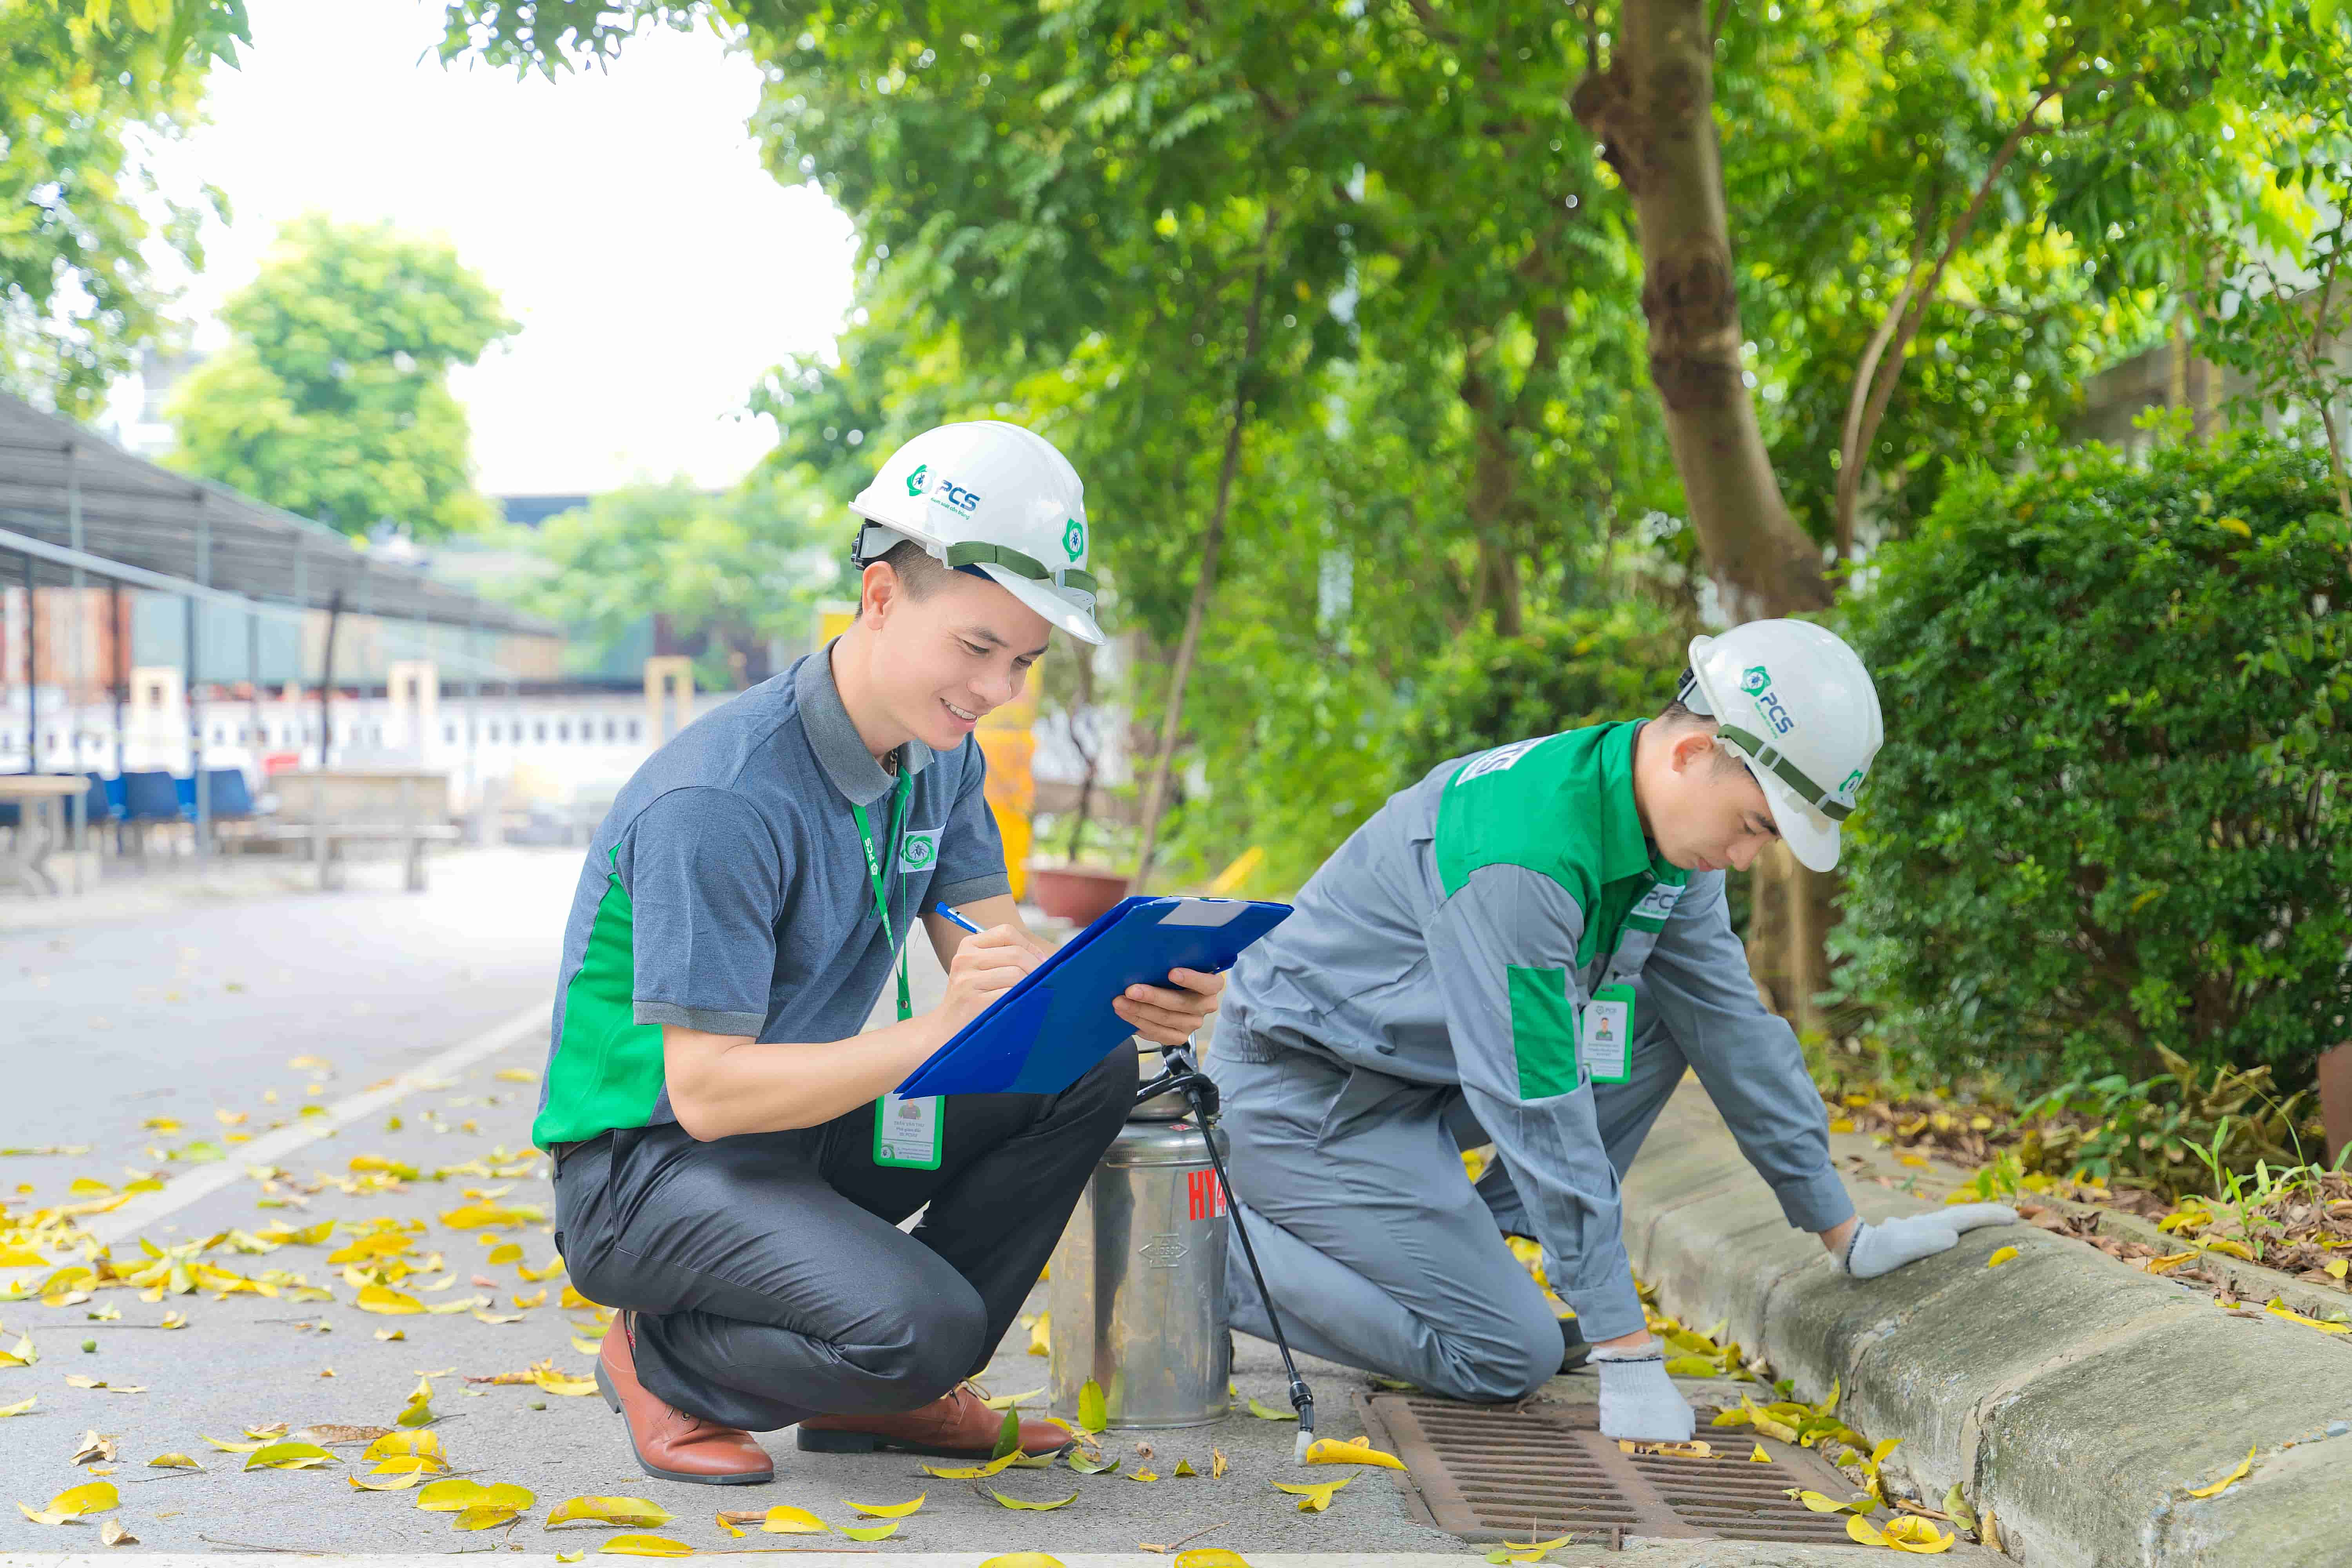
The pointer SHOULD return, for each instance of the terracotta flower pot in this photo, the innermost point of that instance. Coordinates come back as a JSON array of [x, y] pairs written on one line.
[[1076, 893]]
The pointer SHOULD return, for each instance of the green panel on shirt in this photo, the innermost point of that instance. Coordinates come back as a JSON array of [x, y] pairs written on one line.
[[607, 1070], [1543, 1032]]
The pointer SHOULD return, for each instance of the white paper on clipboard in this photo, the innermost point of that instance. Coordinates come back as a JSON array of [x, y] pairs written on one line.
[[1204, 911]]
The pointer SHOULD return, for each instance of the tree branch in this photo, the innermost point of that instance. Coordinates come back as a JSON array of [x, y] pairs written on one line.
[[1861, 433]]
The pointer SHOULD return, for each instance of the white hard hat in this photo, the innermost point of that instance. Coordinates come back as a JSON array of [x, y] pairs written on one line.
[[994, 497], [1793, 701]]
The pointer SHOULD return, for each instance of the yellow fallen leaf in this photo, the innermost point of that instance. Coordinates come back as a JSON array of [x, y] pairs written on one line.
[[645, 1546], [573, 1301], [1760, 1456], [1216, 1464], [1333, 1451], [1007, 1401], [1009, 1502], [21, 1257], [888, 1509], [733, 1529], [1312, 1498], [1143, 1474], [172, 1462], [1819, 1503], [21, 1406], [289, 1457], [1862, 1531], [1035, 1560], [1268, 1413], [484, 1516], [1691, 1366], [2222, 1244], [1912, 1159], [516, 1075], [1999, 1256], [2245, 1467], [75, 1503], [548, 1270], [627, 1510], [390, 1302], [552, 1382], [394, 1445], [971, 1472], [378, 1481], [783, 1520], [1205, 1557], [111, 1533], [525, 1303], [2278, 1307], [570, 1556], [505, 1252], [1040, 1336], [1909, 1532], [1552, 1545], [1185, 1467], [236, 1447], [1671, 1450]]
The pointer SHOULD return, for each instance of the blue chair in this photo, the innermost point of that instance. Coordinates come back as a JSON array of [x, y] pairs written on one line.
[[99, 806], [115, 808], [149, 799], [183, 790], [231, 799]]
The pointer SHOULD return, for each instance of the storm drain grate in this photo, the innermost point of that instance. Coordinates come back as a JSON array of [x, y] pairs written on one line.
[[1488, 1472]]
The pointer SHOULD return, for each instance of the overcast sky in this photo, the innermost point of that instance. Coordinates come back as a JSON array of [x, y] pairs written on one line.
[[624, 217]]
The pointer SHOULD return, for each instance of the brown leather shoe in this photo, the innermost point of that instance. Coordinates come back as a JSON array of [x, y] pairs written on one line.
[[669, 1442], [958, 1426]]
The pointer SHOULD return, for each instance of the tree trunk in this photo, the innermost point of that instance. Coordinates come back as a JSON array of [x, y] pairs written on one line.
[[1155, 798], [1653, 109], [327, 678], [1651, 106]]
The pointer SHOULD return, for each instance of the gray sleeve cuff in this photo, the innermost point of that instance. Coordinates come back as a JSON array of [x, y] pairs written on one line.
[[1609, 1312], [989, 887], [1816, 1203], [703, 1018]]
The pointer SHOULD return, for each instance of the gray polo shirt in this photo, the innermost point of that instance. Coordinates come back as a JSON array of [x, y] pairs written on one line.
[[727, 890]]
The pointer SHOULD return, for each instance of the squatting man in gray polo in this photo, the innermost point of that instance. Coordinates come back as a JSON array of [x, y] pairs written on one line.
[[1526, 949], [731, 1163]]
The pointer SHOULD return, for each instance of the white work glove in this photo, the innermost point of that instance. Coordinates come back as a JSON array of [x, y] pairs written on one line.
[[1875, 1249], [1639, 1402]]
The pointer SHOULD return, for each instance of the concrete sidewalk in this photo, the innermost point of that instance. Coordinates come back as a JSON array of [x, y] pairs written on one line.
[[2079, 1399]]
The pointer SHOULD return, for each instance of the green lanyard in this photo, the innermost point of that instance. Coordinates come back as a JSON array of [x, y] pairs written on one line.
[[874, 873]]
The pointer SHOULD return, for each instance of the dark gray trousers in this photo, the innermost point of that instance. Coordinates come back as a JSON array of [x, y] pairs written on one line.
[[768, 1272]]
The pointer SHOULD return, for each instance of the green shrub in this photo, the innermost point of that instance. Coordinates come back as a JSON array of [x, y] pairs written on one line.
[[1565, 671], [2112, 813]]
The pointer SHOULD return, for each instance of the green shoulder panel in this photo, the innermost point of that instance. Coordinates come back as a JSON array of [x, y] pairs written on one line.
[[1533, 803]]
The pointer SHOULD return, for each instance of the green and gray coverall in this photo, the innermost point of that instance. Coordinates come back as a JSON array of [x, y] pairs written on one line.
[[1424, 1000]]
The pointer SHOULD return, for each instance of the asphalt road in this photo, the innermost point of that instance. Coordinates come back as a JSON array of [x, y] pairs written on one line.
[[262, 1007]]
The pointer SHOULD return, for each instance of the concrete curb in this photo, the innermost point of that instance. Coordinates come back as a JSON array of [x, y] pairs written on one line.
[[2077, 1397]]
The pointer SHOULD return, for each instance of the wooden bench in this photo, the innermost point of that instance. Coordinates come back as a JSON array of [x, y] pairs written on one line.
[[327, 840]]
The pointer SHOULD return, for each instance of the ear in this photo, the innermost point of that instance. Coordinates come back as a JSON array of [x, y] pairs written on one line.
[[878, 590], [1691, 748]]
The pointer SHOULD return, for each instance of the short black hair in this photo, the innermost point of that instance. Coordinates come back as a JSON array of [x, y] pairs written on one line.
[[920, 572]]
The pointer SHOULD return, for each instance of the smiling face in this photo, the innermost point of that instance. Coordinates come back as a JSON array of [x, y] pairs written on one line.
[[1700, 805], [947, 646]]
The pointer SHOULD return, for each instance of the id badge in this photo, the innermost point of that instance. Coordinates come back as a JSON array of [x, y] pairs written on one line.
[[906, 1132], [1605, 1034]]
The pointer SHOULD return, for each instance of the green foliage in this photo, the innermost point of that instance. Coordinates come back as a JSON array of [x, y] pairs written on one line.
[[2110, 816], [728, 572], [86, 88], [332, 400], [1565, 672]]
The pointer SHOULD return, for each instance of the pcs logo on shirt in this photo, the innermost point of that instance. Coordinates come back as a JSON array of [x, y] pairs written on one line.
[[919, 848]]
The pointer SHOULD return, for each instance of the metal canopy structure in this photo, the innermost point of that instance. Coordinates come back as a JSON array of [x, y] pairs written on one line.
[[68, 488]]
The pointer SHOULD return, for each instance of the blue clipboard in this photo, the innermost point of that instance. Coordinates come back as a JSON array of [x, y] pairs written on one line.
[[1050, 1027]]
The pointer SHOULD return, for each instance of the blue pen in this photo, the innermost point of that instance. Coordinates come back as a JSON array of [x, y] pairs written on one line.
[[958, 919]]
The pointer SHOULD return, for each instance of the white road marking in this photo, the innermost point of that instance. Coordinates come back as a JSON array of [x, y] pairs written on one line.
[[141, 1211]]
